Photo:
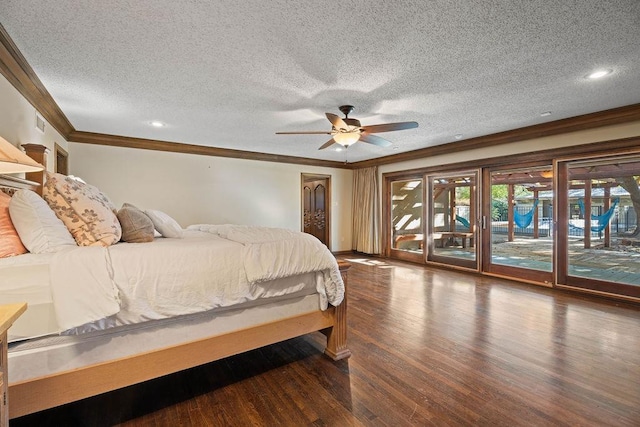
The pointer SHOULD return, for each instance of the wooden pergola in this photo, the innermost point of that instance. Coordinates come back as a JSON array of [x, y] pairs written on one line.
[[535, 181]]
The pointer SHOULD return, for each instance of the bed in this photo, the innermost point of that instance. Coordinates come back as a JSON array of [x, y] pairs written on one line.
[[59, 354]]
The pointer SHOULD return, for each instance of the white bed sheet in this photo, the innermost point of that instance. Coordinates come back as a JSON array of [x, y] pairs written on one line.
[[81, 289], [25, 278], [171, 277]]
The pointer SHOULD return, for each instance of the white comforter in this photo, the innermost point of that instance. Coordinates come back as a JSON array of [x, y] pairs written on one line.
[[212, 266]]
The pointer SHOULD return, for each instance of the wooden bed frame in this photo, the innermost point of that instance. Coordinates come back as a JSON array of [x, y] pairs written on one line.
[[57, 389]]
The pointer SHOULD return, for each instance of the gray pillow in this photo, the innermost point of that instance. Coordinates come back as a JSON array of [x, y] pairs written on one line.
[[136, 226]]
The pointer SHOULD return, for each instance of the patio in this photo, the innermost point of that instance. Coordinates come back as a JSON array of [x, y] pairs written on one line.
[[618, 263]]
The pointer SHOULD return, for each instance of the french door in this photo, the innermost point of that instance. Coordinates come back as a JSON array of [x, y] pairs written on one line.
[[599, 242], [406, 231], [566, 222], [517, 222], [452, 219]]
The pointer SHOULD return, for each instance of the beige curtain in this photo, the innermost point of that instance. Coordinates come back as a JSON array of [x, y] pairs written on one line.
[[366, 217]]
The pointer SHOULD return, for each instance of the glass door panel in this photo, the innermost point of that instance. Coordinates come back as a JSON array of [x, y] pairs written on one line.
[[407, 227], [518, 212], [601, 226], [452, 219]]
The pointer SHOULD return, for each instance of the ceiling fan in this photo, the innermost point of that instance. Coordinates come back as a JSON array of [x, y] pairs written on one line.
[[348, 131]]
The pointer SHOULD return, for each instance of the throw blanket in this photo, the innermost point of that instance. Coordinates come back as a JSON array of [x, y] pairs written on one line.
[[272, 253]]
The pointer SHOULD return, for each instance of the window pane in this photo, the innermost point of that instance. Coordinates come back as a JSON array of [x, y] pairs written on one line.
[[453, 216], [406, 215], [603, 234], [521, 218]]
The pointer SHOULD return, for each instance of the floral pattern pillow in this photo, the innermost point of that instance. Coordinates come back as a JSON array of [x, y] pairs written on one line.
[[85, 211]]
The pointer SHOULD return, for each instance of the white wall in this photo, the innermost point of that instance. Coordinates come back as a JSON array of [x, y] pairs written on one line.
[[203, 189], [18, 122]]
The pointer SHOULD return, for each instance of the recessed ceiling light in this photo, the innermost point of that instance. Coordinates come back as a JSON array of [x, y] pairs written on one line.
[[599, 74], [458, 136], [157, 124], [545, 114]]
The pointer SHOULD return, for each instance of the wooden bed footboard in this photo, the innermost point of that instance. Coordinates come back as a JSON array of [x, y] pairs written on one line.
[[49, 391], [337, 334]]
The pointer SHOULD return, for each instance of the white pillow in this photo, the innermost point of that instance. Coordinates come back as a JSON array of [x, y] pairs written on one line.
[[165, 225], [37, 225]]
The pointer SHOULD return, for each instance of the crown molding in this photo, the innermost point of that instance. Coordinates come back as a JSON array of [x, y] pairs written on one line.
[[614, 116], [176, 147], [19, 73]]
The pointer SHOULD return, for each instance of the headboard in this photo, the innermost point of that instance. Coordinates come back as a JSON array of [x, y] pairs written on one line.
[[34, 180], [11, 184]]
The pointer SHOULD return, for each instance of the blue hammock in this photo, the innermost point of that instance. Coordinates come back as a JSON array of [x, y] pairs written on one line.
[[524, 220], [603, 220], [464, 221]]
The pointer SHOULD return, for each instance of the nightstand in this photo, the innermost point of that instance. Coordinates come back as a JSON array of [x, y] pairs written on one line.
[[8, 314]]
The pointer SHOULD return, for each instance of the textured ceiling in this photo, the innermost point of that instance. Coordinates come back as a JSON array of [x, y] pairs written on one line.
[[230, 74]]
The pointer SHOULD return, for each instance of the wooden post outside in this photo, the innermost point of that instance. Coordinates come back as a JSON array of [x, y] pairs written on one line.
[[536, 231], [587, 214], [511, 207], [607, 206], [452, 208]]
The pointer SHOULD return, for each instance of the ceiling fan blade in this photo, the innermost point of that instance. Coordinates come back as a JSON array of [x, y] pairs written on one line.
[[337, 122], [320, 132], [327, 144], [375, 140], [388, 127]]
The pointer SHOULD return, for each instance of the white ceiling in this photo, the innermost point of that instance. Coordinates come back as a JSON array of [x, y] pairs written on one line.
[[230, 74]]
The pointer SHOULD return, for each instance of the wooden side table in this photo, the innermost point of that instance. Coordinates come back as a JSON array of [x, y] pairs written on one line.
[[8, 314]]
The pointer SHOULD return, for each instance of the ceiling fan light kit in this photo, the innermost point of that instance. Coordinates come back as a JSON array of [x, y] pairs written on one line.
[[347, 131], [346, 138]]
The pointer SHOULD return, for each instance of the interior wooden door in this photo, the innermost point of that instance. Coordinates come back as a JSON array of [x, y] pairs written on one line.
[[315, 196]]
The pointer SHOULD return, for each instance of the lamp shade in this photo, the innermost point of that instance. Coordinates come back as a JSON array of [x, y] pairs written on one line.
[[12, 160], [346, 138]]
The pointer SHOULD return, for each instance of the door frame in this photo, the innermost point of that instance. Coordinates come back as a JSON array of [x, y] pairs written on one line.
[[306, 177], [60, 160], [476, 197], [387, 228], [564, 278], [539, 277]]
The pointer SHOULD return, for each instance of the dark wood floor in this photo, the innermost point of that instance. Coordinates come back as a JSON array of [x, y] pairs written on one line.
[[430, 347]]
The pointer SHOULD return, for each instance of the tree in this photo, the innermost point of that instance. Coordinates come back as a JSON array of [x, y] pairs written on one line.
[[630, 184]]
